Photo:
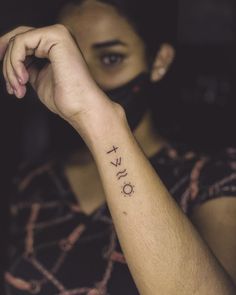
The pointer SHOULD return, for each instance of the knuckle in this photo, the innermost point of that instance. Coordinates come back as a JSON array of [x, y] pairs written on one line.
[[60, 29], [20, 31], [15, 38], [24, 28], [11, 39], [21, 28]]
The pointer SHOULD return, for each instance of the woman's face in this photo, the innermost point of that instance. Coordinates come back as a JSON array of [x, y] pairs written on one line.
[[112, 49]]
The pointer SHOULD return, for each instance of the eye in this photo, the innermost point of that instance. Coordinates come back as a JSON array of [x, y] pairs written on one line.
[[112, 59]]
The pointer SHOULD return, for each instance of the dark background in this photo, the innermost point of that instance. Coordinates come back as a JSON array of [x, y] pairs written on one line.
[[201, 102]]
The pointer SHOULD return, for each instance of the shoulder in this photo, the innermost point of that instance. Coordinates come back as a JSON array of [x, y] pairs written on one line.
[[193, 178], [214, 208], [216, 223], [217, 186], [217, 177]]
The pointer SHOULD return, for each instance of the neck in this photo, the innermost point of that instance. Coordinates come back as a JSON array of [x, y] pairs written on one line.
[[147, 137]]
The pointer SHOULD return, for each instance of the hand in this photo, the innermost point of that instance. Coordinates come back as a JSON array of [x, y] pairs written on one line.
[[64, 84]]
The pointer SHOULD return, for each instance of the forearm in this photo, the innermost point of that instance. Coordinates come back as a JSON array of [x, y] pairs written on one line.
[[163, 250]]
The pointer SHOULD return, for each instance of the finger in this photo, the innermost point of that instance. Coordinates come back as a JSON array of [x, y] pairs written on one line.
[[8, 85], [9, 88], [21, 66], [4, 40], [25, 45], [4, 43], [22, 77], [18, 64], [19, 90]]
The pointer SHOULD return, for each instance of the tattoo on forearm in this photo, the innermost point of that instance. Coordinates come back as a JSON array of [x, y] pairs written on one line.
[[114, 149], [122, 174], [117, 163], [127, 188]]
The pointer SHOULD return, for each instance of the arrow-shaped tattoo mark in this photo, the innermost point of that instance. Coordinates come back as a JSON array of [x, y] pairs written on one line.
[[117, 163]]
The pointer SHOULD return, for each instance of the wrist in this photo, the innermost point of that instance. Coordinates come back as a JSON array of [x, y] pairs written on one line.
[[95, 124]]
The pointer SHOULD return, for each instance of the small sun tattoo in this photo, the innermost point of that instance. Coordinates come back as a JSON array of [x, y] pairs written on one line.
[[128, 189]]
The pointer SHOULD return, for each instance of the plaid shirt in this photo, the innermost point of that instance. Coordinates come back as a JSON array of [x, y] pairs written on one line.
[[56, 248]]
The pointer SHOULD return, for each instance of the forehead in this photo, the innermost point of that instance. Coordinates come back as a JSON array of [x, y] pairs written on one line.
[[97, 21]]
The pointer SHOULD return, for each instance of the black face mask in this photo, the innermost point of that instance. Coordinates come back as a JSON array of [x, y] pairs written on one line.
[[133, 97]]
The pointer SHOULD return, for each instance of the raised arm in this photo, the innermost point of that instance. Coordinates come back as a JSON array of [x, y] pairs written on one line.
[[164, 252]]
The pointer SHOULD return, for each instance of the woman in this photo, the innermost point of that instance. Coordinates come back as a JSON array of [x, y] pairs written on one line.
[[114, 217]]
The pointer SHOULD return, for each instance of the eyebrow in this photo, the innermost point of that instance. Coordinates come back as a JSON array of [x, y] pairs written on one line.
[[109, 43]]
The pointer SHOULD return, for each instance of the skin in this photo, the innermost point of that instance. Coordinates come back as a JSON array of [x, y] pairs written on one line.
[[153, 231], [111, 67]]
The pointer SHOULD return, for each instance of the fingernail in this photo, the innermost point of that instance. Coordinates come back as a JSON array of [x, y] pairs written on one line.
[[19, 93], [20, 80], [162, 71]]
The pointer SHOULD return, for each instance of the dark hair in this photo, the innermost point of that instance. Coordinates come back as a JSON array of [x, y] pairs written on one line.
[[154, 20]]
